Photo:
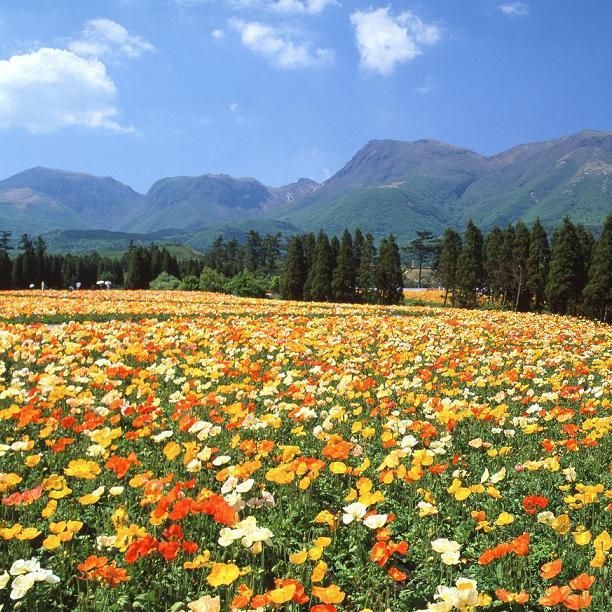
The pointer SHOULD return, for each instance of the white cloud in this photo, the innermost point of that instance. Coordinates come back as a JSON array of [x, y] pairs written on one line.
[[233, 106], [276, 45], [217, 34], [385, 40], [514, 9], [104, 38], [310, 7], [51, 89]]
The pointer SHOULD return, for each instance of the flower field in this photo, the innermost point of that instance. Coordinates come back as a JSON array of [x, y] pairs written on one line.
[[190, 451]]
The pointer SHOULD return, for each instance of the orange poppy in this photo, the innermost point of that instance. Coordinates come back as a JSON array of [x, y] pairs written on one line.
[[551, 569]]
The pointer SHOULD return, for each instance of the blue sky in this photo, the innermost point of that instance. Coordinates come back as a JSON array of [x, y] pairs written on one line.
[[277, 89]]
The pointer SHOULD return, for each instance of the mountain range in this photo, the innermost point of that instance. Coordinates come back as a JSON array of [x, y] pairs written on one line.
[[388, 186]]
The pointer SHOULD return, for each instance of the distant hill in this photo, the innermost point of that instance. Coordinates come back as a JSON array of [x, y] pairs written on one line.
[[193, 203], [388, 186], [43, 199]]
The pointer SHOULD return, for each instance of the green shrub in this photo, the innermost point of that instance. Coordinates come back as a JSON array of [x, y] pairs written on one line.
[[211, 280], [165, 282], [245, 284]]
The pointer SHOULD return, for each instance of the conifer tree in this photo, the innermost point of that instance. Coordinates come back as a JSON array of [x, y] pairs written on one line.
[[493, 246], [358, 247], [6, 270], [422, 248], [505, 270], [389, 280], [344, 276], [6, 266], [470, 272], [586, 242], [563, 287], [294, 272], [598, 291], [318, 284], [309, 242], [366, 272], [520, 257], [137, 275], [334, 244], [450, 250], [538, 264]]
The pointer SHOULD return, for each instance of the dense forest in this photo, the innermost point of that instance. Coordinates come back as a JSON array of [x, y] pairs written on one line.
[[515, 267]]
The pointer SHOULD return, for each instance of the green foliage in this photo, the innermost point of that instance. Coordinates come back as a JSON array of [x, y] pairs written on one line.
[[318, 284], [450, 250], [190, 283], [294, 273], [366, 270], [345, 273], [562, 289], [470, 271], [245, 284], [389, 281], [598, 291], [211, 280], [165, 282], [538, 264]]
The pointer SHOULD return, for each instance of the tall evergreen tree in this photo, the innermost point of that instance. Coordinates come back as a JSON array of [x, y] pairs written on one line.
[[318, 284], [563, 287], [505, 270], [520, 257], [6, 270], [6, 266], [137, 275], [450, 249], [293, 278], [421, 248], [309, 242], [389, 280], [334, 244], [5, 241], [586, 242], [493, 246], [253, 251], [345, 275], [538, 264], [598, 291], [366, 272], [29, 272], [358, 247], [470, 272]]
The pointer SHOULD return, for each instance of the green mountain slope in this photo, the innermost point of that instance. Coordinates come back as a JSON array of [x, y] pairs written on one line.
[[388, 186], [43, 199]]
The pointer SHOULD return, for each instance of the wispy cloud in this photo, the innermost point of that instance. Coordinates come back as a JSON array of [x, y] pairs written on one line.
[[309, 7], [277, 47], [104, 38], [386, 40], [514, 9], [218, 34]]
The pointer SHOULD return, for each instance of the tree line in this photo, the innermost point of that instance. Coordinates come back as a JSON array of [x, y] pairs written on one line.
[[33, 266], [352, 269], [517, 267]]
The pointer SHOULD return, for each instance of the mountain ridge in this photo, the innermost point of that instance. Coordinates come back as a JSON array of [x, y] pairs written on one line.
[[387, 186]]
